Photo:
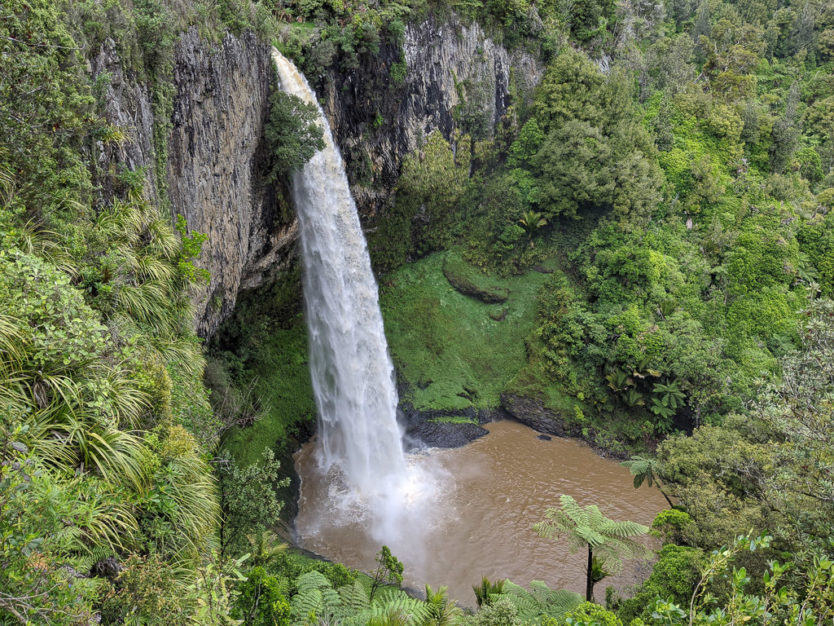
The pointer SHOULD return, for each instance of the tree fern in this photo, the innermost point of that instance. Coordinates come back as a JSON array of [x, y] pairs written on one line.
[[313, 579], [527, 607], [306, 606], [392, 608], [316, 601], [541, 603], [555, 602], [587, 527], [644, 469]]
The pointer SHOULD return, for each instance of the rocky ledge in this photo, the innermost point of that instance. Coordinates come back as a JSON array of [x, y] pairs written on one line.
[[426, 429], [533, 413]]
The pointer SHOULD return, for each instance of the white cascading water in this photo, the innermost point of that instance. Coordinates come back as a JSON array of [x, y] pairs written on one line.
[[359, 439]]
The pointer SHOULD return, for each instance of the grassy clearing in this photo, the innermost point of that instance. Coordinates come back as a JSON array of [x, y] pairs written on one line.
[[445, 344]]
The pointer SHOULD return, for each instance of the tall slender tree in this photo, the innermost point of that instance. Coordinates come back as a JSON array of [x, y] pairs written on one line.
[[586, 527]]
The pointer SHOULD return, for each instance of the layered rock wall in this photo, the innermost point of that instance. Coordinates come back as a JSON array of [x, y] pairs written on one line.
[[215, 147], [214, 155], [453, 70]]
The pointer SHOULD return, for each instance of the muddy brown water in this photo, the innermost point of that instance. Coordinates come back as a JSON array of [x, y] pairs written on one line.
[[477, 521]]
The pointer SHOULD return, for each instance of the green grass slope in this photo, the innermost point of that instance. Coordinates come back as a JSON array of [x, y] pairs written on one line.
[[445, 345]]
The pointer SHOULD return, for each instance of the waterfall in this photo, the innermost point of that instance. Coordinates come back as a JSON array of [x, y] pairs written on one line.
[[352, 373]]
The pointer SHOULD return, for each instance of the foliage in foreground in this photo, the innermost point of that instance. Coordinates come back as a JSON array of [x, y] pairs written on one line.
[[770, 469], [109, 507], [721, 594]]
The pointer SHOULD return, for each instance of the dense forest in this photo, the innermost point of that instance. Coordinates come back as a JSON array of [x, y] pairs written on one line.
[[661, 203]]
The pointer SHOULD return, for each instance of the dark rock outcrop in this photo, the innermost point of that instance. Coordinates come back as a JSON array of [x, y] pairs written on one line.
[[445, 434], [533, 413], [427, 429]]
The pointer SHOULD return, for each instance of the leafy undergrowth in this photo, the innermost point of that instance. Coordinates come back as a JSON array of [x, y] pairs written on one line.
[[446, 345], [280, 377]]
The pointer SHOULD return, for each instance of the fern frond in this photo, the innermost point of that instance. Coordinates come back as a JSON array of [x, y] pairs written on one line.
[[305, 604], [354, 597], [312, 580]]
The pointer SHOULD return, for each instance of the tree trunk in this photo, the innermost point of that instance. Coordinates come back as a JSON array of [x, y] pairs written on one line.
[[589, 583]]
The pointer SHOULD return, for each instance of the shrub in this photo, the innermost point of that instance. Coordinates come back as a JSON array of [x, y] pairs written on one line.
[[590, 614], [260, 601], [292, 133]]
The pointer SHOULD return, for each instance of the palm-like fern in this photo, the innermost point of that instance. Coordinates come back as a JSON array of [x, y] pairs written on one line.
[[633, 398], [487, 589], [666, 401], [266, 548], [532, 221], [618, 379], [586, 527], [541, 602], [644, 469], [442, 610]]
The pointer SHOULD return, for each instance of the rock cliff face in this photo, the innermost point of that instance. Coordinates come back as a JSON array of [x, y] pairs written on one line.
[[127, 104], [215, 150], [215, 144], [454, 73]]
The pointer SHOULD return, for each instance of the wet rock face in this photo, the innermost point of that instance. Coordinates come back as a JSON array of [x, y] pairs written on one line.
[[127, 105], [454, 61], [452, 70], [215, 156], [534, 414], [215, 150]]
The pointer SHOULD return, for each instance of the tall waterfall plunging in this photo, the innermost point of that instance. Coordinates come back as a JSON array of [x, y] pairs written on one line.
[[360, 442]]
